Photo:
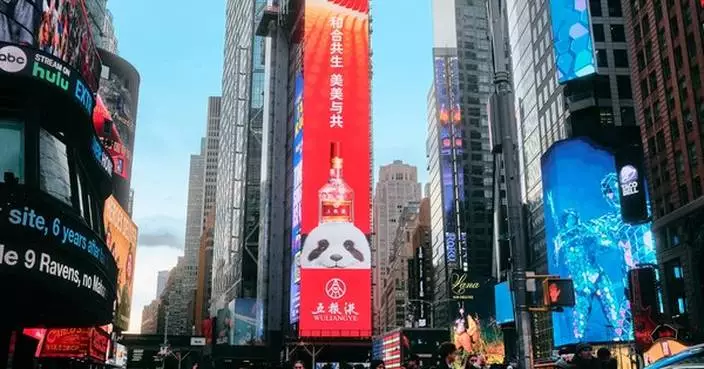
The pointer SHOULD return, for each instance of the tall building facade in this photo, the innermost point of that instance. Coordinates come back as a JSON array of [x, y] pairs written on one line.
[[212, 136], [150, 314], [194, 209], [397, 186], [177, 301], [547, 112], [459, 156], [666, 47], [161, 279], [235, 252], [101, 23]]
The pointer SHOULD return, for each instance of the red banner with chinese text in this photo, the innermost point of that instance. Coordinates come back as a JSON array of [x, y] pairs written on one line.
[[336, 157]]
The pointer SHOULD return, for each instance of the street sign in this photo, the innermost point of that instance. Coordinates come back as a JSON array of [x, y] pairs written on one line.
[[197, 341]]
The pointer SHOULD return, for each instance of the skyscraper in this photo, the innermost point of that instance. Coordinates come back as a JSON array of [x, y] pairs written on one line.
[[665, 49], [239, 162], [397, 186], [194, 210], [101, 22], [460, 160], [161, 279], [547, 112], [212, 136]]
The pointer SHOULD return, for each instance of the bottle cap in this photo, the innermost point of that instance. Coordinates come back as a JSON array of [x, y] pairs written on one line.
[[335, 150]]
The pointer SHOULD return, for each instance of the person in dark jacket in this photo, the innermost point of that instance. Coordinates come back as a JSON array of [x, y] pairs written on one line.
[[605, 359], [448, 353], [584, 359], [377, 364]]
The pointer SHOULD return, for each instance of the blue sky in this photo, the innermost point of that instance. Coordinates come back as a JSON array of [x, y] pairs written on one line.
[[178, 49]]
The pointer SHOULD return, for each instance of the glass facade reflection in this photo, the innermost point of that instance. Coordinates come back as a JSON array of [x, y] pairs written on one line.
[[238, 183]]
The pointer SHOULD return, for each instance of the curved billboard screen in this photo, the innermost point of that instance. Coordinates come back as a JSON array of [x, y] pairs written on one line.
[[589, 242], [56, 27]]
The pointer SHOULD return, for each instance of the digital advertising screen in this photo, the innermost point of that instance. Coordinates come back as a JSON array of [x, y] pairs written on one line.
[[59, 28], [121, 238], [76, 343], [476, 330], [572, 39], [297, 201], [335, 286], [246, 329], [451, 150], [589, 242], [121, 106], [503, 302]]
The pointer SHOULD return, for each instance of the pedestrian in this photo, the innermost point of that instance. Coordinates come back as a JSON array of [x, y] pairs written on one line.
[[377, 364], [584, 358], [605, 359], [413, 362], [298, 365], [448, 354], [473, 362]]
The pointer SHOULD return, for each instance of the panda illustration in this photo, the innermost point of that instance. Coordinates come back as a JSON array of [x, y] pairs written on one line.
[[336, 245]]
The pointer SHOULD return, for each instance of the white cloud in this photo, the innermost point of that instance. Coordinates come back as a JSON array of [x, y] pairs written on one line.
[[150, 260]]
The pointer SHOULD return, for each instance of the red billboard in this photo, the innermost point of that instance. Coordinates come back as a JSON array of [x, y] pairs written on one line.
[[335, 261], [76, 343]]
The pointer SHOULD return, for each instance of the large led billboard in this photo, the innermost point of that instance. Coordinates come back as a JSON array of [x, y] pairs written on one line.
[[572, 39], [451, 133], [296, 201], [589, 242], [56, 27], [121, 238], [335, 260]]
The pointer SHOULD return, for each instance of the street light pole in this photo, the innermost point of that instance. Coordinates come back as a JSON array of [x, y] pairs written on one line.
[[505, 141]]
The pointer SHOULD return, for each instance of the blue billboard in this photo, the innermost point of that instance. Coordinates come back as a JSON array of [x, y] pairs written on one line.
[[572, 39], [450, 138], [588, 241], [503, 303], [297, 200]]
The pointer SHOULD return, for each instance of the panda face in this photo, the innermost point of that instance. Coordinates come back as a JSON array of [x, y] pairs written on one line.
[[336, 245]]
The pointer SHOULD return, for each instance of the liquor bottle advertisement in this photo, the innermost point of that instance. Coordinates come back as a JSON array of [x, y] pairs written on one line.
[[335, 258]]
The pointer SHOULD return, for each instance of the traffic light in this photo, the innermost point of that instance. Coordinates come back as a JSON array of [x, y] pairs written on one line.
[[558, 293]]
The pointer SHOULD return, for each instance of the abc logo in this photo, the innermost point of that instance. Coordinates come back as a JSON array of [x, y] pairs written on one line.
[[12, 59]]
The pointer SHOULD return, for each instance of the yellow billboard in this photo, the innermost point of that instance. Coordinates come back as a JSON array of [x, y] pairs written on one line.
[[121, 238]]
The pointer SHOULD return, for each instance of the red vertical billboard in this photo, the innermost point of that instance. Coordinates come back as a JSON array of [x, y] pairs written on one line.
[[335, 262]]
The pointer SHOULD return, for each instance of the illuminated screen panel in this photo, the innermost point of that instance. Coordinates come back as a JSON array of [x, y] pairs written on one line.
[[450, 136], [584, 227], [335, 258], [297, 199], [59, 28], [572, 39], [121, 238]]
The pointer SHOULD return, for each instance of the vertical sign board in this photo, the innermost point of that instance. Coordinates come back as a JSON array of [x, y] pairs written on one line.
[[572, 39], [451, 150], [335, 286], [297, 201], [631, 178]]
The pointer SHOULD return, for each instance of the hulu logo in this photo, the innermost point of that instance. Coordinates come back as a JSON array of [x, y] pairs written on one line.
[[52, 76]]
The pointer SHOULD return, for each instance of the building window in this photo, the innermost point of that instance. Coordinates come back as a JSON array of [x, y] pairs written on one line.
[[620, 59], [617, 33], [692, 151], [674, 130], [54, 173], [615, 8], [682, 305], [684, 194], [599, 35], [696, 187], [628, 115], [601, 60], [624, 87], [11, 151], [595, 8]]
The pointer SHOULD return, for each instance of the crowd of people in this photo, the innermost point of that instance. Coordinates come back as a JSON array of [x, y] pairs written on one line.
[[452, 358]]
